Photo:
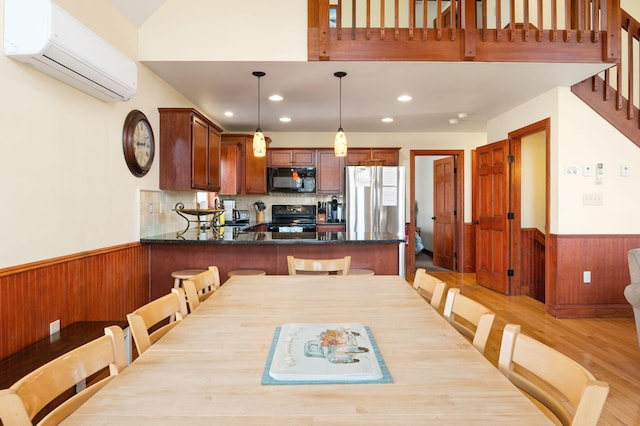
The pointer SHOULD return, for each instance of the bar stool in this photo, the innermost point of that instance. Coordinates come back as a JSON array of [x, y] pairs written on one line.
[[184, 274], [245, 272], [361, 272]]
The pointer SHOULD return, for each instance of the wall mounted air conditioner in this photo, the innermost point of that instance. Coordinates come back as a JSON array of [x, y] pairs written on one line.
[[40, 34]]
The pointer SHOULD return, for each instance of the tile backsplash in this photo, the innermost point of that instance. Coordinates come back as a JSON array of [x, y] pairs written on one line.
[[157, 216]]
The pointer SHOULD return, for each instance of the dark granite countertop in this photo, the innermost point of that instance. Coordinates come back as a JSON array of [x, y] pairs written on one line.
[[236, 235]]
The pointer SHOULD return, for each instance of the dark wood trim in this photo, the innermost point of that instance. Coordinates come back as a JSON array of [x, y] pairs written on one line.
[[460, 238]]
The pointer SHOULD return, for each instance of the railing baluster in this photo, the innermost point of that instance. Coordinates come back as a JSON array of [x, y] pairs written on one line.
[[606, 93], [553, 35], [525, 24], [339, 20], [425, 20], [484, 19], [568, 11], [540, 22], [368, 32], [629, 70], [353, 19], [397, 21], [619, 85], [595, 31], [412, 18], [498, 20], [512, 21], [382, 20], [439, 21]]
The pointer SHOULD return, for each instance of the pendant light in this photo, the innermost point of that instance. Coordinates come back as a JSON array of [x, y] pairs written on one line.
[[259, 144], [340, 143]]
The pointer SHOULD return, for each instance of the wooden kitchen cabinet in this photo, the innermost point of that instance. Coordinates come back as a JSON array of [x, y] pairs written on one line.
[[231, 170], [189, 150], [329, 172], [291, 157], [242, 172], [359, 156]]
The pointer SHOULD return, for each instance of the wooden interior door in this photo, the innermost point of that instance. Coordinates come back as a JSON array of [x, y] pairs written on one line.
[[491, 207], [444, 210]]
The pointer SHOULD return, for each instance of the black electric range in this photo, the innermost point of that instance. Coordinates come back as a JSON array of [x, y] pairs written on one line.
[[292, 218]]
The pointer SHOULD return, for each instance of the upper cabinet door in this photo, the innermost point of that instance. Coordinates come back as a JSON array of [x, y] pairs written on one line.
[[291, 157], [329, 172]]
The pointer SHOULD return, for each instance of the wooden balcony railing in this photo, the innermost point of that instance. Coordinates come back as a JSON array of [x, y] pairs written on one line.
[[616, 99], [464, 30]]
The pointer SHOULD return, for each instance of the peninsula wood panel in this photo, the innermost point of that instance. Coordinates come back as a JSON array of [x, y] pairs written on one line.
[[606, 257], [382, 258], [100, 285]]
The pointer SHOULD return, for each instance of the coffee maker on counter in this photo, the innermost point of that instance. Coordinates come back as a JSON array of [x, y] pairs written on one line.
[[334, 210]]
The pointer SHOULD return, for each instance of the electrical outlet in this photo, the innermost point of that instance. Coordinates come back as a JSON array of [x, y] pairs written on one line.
[[586, 277], [54, 327], [586, 170]]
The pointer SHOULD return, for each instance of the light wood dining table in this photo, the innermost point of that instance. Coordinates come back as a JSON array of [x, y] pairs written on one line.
[[208, 369]]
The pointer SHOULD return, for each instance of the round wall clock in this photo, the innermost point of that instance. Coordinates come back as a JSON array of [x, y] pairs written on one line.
[[138, 143]]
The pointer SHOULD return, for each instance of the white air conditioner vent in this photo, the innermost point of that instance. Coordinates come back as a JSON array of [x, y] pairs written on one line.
[[40, 34]]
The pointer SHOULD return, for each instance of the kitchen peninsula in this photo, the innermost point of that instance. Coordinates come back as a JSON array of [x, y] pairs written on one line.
[[242, 248]]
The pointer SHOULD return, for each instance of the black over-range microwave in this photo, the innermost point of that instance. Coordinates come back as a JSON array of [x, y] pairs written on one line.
[[291, 179]]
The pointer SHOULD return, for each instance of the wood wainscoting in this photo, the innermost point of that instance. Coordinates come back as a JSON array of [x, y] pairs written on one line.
[[605, 256], [532, 263], [98, 285]]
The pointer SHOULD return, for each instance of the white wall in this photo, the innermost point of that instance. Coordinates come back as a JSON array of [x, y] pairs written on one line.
[[580, 136], [533, 181], [229, 31], [65, 187]]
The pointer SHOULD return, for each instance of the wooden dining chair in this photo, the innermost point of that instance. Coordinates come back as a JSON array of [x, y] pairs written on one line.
[[430, 287], [552, 378], [154, 313], [471, 318], [297, 266], [199, 287], [26, 398]]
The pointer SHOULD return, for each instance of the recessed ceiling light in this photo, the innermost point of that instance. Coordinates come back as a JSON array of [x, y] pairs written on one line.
[[453, 121], [285, 119], [404, 98], [387, 120], [462, 115], [228, 113], [275, 98]]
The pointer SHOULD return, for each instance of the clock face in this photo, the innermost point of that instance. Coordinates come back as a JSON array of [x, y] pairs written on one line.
[[138, 143], [142, 143]]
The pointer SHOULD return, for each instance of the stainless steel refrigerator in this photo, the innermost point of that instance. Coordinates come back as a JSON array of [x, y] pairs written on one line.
[[375, 204]]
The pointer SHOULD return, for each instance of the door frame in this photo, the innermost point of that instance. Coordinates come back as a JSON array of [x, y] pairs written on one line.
[[458, 154], [515, 140]]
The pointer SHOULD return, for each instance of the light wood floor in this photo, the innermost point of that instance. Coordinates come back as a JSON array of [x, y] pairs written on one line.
[[608, 347]]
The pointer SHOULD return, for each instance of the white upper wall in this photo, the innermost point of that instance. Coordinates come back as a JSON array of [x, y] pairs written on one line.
[[226, 30], [579, 136], [65, 185]]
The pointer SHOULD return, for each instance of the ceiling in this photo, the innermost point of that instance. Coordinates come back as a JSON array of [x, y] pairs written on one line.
[[439, 90]]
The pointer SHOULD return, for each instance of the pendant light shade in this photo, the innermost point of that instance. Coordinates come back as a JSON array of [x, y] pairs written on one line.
[[259, 144], [340, 143]]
